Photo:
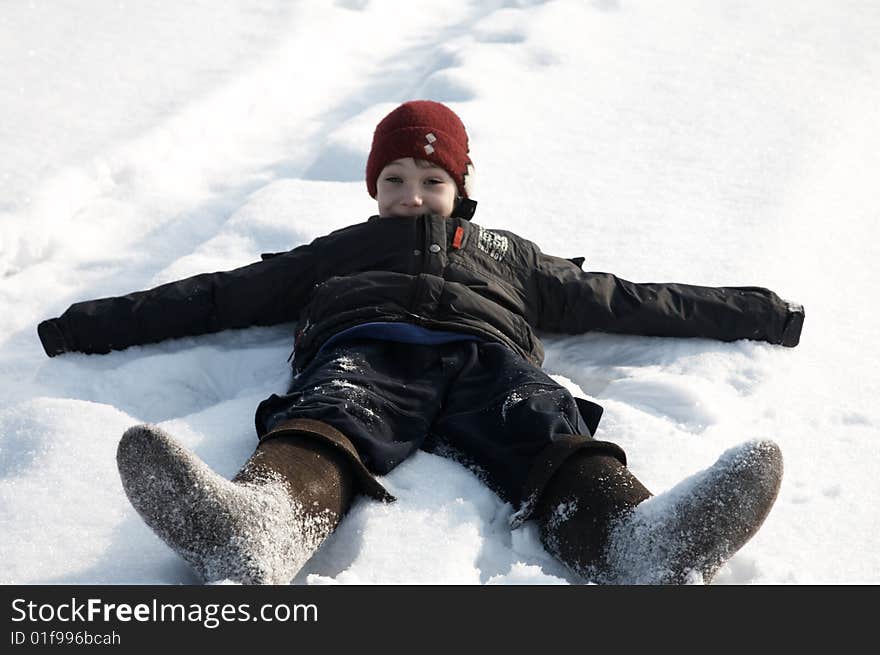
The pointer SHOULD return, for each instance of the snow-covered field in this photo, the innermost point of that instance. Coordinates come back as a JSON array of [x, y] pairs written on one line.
[[719, 143]]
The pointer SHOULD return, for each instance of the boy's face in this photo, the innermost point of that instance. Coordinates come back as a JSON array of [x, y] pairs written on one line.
[[407, 188]]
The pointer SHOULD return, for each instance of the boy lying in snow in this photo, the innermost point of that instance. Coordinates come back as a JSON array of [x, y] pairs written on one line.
[[415, 330]]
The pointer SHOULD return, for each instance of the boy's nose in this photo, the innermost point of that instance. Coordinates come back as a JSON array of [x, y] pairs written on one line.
[[413, 197]]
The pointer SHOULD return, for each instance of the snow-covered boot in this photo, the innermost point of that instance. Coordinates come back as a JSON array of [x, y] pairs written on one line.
[[259, 528], [599, 526]]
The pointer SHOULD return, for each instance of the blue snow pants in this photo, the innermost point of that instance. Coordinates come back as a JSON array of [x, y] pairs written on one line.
[[478, 402]]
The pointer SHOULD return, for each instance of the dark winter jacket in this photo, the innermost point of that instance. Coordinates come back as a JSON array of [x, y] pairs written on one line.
[[446, 274]]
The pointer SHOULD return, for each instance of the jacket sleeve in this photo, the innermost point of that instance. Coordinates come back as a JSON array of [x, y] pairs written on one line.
[[573, 301], [263, 293]]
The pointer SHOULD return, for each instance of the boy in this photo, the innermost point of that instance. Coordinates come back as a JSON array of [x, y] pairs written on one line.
[[415, 330]]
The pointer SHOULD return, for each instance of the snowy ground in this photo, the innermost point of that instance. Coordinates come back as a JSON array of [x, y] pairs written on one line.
[[720, 143]]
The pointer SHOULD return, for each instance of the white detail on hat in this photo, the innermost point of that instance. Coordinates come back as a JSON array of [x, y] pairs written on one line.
[[430, 138]]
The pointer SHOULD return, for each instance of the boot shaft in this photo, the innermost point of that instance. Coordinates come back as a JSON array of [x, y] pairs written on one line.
[[579, 506], [315, 473]]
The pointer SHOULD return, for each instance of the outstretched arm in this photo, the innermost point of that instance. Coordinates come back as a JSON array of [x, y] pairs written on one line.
[[263, 293], [573, 301]]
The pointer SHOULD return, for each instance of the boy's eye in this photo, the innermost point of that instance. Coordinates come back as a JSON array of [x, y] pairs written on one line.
[[434, 180], [393, 179]]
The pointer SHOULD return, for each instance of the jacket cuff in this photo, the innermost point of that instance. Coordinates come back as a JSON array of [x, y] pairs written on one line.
[[52, 338], [791, 334]]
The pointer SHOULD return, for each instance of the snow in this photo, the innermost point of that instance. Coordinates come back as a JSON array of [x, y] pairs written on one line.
[[717, 143]]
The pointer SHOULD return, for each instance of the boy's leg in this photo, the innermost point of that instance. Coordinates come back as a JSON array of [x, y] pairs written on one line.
[[523, 430], [513, 422], [359, 409]]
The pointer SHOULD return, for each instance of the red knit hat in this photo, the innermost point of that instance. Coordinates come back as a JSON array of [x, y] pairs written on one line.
[[422, 129]]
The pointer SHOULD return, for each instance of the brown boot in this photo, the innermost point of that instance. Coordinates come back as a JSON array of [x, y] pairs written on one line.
[[259, 528], [602, 522], [574, 514]]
